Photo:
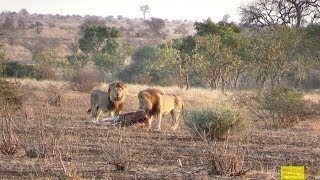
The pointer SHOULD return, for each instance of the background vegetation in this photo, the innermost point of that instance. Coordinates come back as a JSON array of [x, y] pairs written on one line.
[[273, 53], [259, 52]]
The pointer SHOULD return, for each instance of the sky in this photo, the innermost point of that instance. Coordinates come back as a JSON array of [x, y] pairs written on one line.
[[194, 10]]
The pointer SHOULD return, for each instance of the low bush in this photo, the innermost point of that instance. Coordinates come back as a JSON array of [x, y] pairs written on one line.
[[215, 122], [284, 106], [17, 70], [11, 99], [84, 80]]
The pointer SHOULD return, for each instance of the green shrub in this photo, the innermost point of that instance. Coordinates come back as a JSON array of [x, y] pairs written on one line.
[[10, 94], [284, 106], [17, 70], [215, 122]]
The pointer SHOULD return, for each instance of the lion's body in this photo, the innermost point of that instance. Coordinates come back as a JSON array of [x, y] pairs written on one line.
[[156, 103], [110, 102]]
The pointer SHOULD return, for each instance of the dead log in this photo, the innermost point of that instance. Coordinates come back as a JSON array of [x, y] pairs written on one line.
[[126, 119]]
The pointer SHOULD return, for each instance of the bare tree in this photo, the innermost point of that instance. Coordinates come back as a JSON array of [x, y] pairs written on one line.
[[38, 27], [267, 13], [145, 9], [156, 25]]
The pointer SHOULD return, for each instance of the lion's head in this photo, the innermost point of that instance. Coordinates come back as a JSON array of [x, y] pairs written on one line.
[[149, 101], [117, 92]]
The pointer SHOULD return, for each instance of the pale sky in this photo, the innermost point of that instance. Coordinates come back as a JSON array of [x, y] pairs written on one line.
[[165, 9]]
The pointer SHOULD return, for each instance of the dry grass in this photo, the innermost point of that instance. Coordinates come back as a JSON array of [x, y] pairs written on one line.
[[76, 148]]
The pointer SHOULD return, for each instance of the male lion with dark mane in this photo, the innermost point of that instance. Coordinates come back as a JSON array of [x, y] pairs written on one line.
[[156, 103], [110, 102]]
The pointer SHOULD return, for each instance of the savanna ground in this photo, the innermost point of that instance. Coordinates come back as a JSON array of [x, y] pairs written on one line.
[[65, 143]]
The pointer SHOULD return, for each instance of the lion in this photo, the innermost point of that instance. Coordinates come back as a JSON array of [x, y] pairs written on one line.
[[110, 102], [156, 103]]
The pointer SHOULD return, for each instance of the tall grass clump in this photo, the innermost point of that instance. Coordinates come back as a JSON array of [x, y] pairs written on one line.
[[11, 99], [215, 122]]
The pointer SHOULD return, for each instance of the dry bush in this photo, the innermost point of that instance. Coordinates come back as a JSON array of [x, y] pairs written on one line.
[[11, 99], [225, 160], [45, 72], [39, 141], [69, 171], [118, 155], [84, 80], [280, 107]]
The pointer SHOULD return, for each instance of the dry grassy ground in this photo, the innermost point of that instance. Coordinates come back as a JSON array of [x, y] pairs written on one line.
[[74, 147]]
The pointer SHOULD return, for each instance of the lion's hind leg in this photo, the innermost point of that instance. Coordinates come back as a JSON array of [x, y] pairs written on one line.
[[176, 117]]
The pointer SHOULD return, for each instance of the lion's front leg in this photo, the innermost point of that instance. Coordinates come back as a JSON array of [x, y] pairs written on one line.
[[98, 115], [159, 121], [149, 122]]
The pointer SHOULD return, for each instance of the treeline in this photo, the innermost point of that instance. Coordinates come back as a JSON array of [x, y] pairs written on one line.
[[220, 55], [226, 56], [255, 54]]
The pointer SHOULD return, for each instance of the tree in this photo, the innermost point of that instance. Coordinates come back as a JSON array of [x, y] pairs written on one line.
[[209, 27], [145, 9], [222, 50], [46, 65], [2, 53], [92, 21], [38, 27], [138, 71], [156, 25], [99, 39], [8, 24], [185, 47], [167, 69], [267, 13], [213, 61], [23, 12]]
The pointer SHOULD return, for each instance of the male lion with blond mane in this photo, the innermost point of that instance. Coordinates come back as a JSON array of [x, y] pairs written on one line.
[[110, 102], [156, 103]]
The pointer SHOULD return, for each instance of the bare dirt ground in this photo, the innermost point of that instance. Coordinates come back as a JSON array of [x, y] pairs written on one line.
[[68, 144]]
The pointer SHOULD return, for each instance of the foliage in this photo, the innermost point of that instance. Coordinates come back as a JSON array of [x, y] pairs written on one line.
[[284, 106], [110, 64], [99, 39], [77, 60], [167, 69], [92, 21], [209, 27], [45, 64], [17, 70], [214, 61], [137, 71], [215, 122], [11, 96], [268, 61]]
